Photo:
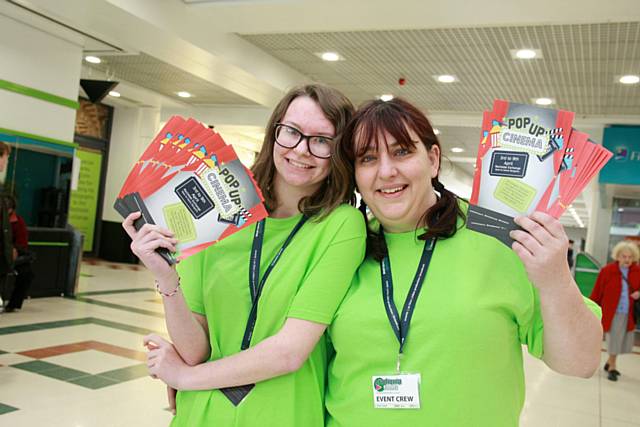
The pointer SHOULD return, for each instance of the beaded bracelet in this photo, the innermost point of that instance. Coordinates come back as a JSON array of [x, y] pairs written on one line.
[[167, 294]]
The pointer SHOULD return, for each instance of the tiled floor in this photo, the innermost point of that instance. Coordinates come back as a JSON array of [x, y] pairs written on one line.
[[80, 363]]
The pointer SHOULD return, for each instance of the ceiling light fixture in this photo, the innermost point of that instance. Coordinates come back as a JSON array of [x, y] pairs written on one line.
[[629, 79], [526, 54], [457, 150], [386, 97], [92, 59], [114, 94], [576, 217], [183, 94], [330, 56], [446, 78], [544, 101]]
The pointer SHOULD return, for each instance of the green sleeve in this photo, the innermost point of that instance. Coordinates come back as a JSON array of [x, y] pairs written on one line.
[[532, 334], [595, 308], [190, 272], [531, 329], [326, 285]]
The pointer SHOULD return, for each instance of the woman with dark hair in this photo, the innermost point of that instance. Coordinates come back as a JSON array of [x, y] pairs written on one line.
[[265, 364], [430, 332]]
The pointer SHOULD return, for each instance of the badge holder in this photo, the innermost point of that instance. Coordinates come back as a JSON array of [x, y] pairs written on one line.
[[396, 391]]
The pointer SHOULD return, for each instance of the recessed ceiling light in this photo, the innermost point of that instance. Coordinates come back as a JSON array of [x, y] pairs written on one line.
[[446, 78], [544, 101], [526, 53], [92, 59], [436, 131], [457, 150], [629, 80], [183, 94], [386, 97], [330, 56], [114, 94]]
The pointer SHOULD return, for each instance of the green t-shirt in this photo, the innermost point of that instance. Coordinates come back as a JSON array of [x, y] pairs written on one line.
[[475, 310], [308, 282]]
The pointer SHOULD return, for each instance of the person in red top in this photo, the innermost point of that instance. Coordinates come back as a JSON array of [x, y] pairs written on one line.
[[21, 257], [616, 289]]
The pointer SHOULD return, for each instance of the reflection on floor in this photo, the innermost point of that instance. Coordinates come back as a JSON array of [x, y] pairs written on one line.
[[80, 362]]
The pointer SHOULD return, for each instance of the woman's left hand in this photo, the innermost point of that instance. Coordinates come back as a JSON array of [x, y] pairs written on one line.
[[542, 247], [164, 362]]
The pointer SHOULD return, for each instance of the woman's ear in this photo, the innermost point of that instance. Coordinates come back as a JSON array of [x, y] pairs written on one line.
[[434, 157]]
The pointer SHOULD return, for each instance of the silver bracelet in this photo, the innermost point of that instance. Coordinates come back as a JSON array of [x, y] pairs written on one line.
[[167, 294]]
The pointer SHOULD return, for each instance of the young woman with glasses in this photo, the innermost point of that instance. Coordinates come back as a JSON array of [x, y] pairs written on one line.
[[262, 341], [431, 330]]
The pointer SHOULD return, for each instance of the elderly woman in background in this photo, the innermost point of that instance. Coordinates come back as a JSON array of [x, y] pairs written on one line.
[[616, 289]]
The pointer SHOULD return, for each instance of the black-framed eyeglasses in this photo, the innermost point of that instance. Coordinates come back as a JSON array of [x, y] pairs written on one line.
[[289, 137]]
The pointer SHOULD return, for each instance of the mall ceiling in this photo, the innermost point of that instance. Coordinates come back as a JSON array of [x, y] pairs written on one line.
[[247, 52]]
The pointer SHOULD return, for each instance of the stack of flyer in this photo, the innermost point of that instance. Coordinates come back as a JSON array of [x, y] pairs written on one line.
[[529, 159], [190, 181]]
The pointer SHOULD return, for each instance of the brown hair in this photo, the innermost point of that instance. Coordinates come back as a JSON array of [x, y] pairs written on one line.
[[337, 188], [5, 149], [372, 120]]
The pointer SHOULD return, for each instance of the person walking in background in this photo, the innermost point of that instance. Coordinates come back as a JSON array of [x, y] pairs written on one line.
[[570, 254], [617, 287], [6, 241], [21, 256]]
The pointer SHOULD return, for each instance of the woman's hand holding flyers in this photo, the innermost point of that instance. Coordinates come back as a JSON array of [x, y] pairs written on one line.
[[144, 244], [572, 333], [164, 362], [542, 247]]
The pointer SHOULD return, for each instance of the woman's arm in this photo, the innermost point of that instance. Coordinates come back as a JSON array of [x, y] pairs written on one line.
[[312, 308], [572, 333], [634, 286], [188, 330], [280, 354]]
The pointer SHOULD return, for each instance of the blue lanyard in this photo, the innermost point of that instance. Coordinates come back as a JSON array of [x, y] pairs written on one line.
[[255, 283], [400, 325]]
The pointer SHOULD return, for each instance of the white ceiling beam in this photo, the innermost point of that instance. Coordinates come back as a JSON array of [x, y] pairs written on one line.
[[223, 115], [195, 46], [279, 16]]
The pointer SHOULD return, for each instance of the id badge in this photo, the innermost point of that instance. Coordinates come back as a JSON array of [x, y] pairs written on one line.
[[401, 391]]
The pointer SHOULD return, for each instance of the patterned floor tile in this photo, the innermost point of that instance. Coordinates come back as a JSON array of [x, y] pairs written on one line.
[[120, 307], [125, 374], [63, 373], [82, 378], [114, 291], [94, 382], [13, 359], [36, 366], [5, 409], [92, 361]]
